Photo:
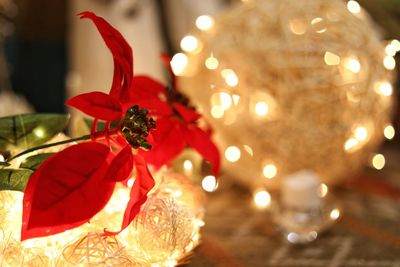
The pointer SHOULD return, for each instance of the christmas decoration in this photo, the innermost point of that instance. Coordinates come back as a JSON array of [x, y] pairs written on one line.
[[291, 85], [70, 195]]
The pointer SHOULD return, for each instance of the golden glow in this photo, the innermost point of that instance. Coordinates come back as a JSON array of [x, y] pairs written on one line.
[[230, 77], [352, 64], [378, 161], [361, 134], [217, 112], [351, 145], [318, 25], [262, 198], [39, 132], [232, 153], [396, 45], [389, 132], [270, 171], [211, 63], [178, 63], [335, 214], [204, 22], [323, 190], [298, 26], [390, 50], [248, 149], [236, 99], [261, 108], [187, 164], [331, 59], [189, 43], [383, 88], [389, 63], [353, 6], [209, 183], [2, 159]]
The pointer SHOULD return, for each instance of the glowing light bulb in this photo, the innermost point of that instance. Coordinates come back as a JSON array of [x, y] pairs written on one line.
[[187, 165], [298, 26], [211, 63], [335, 214], [178, 63], [189, 43], [361, 134], [236, 99], [225, 100], [389, 63], [232, 153], [389, 132], [331, 59], [262, 198], [261, 108], [351, 144], [396, 45], [353, 6], [390, 50], [270, 171], [383, 88], [378, 161], [353, 65], [217, 112], [322, 190], [209, 183], [204, 22], [230, 77], [39, 132]]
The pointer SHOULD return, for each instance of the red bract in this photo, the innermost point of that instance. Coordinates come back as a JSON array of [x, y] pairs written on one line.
[[176, 122], [70, 187]]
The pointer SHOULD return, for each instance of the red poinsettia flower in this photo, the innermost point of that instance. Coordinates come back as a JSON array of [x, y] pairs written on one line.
[[70, 187], [177, 122]]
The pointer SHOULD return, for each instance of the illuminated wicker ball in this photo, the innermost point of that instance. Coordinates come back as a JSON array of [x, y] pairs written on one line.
[[290, 85]]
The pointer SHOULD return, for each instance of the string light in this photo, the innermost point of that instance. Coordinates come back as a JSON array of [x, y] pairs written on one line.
[[248, 149], [178, 63], [378, 161], [361, 134], [335, 214], [331, 59], [230, 77], [384, 88], [211, 63], [353, 6], [39, 132], [389, 132], [232, 153], [351, 145], [261, 108], [353, 65], [298, 26], [270, 171], [189, 43], [209, 183], [217, 112], [262, 198], [389, 63], [204, 22], [323, 190]]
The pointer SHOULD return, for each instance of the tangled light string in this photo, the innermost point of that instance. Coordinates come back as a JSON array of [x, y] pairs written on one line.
[[291, 85], [166, 230]]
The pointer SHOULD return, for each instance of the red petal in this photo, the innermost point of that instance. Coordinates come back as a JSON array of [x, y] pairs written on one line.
[[121, 166], [66, 190], [202, 143], [144, 182], [98, 105], [122, 54], [188, 115], [168, 143]]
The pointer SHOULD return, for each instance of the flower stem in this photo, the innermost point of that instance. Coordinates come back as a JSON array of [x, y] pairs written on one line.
[[85, 137]]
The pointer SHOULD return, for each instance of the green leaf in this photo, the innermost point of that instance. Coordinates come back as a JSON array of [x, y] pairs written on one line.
[[35, 161], [29, 130], [16, 180]]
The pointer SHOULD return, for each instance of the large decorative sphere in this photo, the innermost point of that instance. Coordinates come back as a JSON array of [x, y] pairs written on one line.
[[291, 85]]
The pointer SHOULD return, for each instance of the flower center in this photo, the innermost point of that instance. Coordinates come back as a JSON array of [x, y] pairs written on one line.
[[136, 127]]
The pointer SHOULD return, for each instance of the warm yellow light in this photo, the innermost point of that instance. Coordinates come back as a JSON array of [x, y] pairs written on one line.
[[378, 161], [323, 190], [187, 165], [236, 99], [383, 88], [361, 134], [353, 6], [217, 112], [211, 63], [351, 145], [230, 77], [261, 108], [270, 171], [189, 43], [389, 132], [298, 26], [262, 198], [178, 63], [39, 132], [2, 159], [248, 149], [130, 182], [335, 214], [209, 183], [353, 65], [232, 153], [389, 63], [225, 100], [331, 59], [204, 22], [390, 50], [396, 45]]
